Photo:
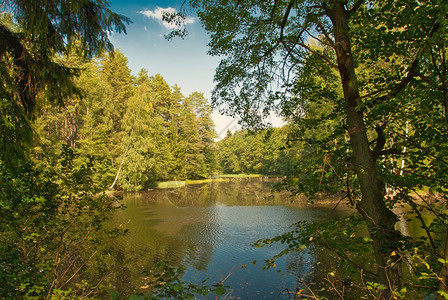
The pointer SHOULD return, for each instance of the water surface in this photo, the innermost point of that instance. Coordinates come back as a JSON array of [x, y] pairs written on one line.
[[209, 229]]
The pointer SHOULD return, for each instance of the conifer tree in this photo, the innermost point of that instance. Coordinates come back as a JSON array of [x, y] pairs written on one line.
[[140, 133]]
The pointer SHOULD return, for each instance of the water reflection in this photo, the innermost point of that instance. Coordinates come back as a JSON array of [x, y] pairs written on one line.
[[209, 229]]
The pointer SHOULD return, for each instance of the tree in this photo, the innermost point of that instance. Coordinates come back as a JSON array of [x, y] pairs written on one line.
[[34, 34], [52, 220], [198, 134], [43, 29], [91, 122], [259, 152], [194, 159], [166, 110], [266, 43], [96, 131], [316, 116], [140, 138], [117, 75]]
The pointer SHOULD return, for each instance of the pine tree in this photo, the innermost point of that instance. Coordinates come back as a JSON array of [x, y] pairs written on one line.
[[138, 162], [117, 75], [166, 110]]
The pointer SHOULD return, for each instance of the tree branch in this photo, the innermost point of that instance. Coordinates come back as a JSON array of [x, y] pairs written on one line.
[[326, 59], [325, 32], [356, 6], [412, 72], [11, 43], [282, 28], [343, 255], [380, 141]]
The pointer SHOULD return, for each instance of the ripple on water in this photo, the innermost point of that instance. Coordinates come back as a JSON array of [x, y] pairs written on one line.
[[206, 230]]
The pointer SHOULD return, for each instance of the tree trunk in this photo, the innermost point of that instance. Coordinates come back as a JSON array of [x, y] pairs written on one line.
[[379, 219], [444, 272], [122, 160]]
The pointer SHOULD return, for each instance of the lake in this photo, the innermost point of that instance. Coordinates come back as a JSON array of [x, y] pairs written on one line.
[[209, 229]]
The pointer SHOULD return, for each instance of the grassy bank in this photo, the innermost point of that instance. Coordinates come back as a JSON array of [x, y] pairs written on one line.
[[222, 177], [238, 175]]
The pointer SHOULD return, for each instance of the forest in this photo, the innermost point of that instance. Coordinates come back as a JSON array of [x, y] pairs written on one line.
[[136, 130], [362, 85]]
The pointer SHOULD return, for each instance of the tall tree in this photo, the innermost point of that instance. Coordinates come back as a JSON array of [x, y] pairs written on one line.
[[167, 109], [198, 130], [97, 133], [141, 130], [116, 73], [265, 43], [51, 220]]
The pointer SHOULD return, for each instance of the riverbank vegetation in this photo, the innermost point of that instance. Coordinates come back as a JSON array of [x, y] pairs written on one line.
[[75, 123], [362, 84], [52, 218]]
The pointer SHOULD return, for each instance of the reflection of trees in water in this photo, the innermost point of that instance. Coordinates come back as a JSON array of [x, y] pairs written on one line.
[[247, 191], [235, 191], [164, 227], [123, 271], [200, 244], [140, 254], [182, 226]]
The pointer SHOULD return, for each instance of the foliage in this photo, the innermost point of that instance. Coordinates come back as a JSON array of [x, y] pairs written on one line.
[[53, 229], [198, 133], [166, 283], [344, 238], [35, 33], [51, 214], [139, 130], [259, 152], [363, 84]]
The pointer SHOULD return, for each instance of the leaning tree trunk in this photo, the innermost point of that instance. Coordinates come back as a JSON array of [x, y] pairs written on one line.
[[379, 219]]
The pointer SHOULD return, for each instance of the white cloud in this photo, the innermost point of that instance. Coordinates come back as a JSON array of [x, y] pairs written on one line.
[[157, 14]]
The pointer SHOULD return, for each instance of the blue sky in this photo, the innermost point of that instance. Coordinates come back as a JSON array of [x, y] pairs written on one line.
[[180, 61]]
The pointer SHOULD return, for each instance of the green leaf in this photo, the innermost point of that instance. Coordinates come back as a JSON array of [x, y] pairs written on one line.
[[114, 295], [220, 290]]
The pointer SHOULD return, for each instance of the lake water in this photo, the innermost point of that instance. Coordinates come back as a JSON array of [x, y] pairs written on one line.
[[209, 229]]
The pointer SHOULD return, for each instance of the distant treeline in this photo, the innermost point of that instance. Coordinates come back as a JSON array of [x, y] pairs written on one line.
[[264, 151], [137, 130]]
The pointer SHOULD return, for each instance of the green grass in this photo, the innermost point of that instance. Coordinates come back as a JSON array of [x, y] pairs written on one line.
[[200, 181], [238, 175], [170, 184], [222, 177]]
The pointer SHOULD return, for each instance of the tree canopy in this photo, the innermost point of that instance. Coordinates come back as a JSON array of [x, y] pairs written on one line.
[[52, 219], [366, 72], [33, 33]]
